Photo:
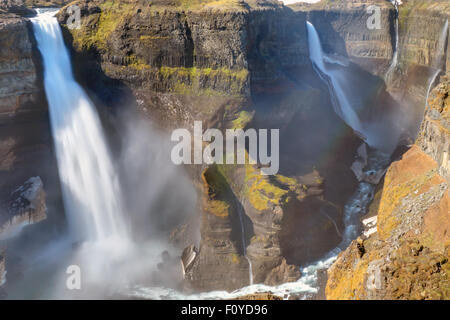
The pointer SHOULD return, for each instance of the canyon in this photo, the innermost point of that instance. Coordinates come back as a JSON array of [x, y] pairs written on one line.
[[246, 64]]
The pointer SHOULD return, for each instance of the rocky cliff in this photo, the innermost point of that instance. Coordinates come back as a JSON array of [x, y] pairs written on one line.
[[408, 255], [434, 138], [25, 140], [232, 64], [229, 64], [209, 62]]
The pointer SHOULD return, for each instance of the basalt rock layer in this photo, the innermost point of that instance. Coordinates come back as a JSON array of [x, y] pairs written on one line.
[[408, 256], [24, 129], [232, 64]]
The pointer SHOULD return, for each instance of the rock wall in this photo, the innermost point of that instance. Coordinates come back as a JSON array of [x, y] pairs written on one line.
[[434, 138], [25, 141], [408, 256], [214, 62], [343, 29], [192, 63]]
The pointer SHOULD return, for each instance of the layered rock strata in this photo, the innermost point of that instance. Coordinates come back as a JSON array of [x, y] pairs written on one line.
[[408, 255]]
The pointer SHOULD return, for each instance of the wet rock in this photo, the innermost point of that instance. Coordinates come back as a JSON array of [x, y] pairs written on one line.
[[373, 175], [26, 206], [284, 273]]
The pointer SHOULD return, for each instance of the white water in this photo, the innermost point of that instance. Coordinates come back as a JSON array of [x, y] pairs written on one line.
[[91, 191], [394, 62], [308, 284], [341, 104], [439, 62]]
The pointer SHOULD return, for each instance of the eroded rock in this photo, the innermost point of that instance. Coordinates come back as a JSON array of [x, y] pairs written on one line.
[[26, 206]]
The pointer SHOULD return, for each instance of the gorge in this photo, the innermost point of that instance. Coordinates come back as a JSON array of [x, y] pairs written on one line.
[[90, 111]]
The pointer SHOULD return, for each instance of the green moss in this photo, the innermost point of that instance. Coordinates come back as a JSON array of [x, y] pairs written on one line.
[[219, 192], [219, 208], [189, 81], [113, 13], [150, 37], [242, 120], [201, 4], [136, 63], [261, 192]]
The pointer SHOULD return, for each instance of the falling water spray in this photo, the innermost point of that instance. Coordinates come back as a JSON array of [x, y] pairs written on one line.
[[91, 189]]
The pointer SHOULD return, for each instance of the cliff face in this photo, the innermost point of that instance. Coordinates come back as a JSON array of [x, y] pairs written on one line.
[[408, 256], [25, 139], [423, 49], [343, 29], [223, 63], [24, 129], [203, 64], [180, 65], [434, 138]]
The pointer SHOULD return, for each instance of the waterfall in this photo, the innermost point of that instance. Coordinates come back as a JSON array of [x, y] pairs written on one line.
[[90, 186], [395, 55], [341, 104], [244, 243], [440, 60]]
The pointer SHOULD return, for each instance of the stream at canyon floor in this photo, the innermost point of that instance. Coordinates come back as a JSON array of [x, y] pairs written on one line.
[[113, 260]]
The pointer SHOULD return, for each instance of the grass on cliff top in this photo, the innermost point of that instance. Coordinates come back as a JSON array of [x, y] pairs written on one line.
[[197, 5], [216, 4], [336, 4], [113, 13]]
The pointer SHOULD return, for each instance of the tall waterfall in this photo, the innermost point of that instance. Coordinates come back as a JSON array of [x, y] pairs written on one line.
[[394, 62], [440, 60], [91, 189], [341, 104]]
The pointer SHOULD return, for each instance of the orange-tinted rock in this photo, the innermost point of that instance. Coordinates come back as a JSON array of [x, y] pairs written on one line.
[[409, 256]]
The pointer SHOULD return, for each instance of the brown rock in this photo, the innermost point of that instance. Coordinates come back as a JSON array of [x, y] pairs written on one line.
[[27, 206]]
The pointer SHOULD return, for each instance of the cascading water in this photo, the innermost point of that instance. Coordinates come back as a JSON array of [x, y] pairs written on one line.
[[394, 62], [354, 209], [341, 104], [439, 62], [307, 285], [91, 190]]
